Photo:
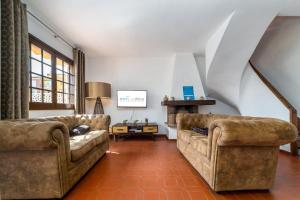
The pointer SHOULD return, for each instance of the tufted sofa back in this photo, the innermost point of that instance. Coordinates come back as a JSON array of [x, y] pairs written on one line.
[[69, 121], [96, 122], [186, 121]]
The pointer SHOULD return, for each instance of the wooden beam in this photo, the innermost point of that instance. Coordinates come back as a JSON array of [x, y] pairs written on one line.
[[188, 102]]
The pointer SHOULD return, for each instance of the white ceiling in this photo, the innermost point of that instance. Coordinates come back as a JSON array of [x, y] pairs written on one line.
[[137, 27]]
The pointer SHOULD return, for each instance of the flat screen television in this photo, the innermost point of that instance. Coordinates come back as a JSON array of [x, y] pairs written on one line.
[[132, 98]]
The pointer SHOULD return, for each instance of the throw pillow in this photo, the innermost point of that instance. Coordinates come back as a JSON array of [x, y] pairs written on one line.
[[79, 130], [202, 131]]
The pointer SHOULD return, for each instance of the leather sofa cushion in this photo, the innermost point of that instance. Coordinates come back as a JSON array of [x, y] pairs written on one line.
[[102, 135], [82, 144], [185, 135], [200, 143]]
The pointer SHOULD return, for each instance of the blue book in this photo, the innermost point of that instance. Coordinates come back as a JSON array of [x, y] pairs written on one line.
[[188, 93]]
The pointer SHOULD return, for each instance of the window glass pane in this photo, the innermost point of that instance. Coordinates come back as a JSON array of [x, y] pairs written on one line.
[[66, 67], [47, 83], [36, 66], [59, 75], [36, 52], [66, 99], [72, 80], [66, 88], [71, 99], [47, 97], [36, 95], [36, 81], [47, 58], [59, 86], [47, 71], [59, 64], [72, 89], [66, 77], [60, 97]]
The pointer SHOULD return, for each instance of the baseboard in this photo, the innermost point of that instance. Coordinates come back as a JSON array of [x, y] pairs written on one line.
[[164, 135]]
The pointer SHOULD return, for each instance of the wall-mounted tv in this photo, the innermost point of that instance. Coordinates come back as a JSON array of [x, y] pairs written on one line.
[[132, 98]]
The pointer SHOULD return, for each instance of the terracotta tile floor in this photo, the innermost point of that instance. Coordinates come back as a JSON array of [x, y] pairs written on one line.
[[146, 169]]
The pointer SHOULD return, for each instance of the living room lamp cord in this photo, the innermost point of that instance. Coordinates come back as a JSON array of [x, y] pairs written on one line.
[[131, 116]]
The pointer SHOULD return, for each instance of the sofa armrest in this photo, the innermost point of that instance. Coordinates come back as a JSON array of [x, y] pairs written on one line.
[[32, 135], [254, 132]]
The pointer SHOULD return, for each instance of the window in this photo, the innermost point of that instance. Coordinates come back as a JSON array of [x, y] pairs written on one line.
[[52, 79]]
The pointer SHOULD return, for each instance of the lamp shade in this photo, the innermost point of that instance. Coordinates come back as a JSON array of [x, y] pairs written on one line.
[[97, 89]]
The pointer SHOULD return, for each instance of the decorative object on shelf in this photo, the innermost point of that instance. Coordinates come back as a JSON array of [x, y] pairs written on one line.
[[188, 92], [172, 98], [165, 98], [97, 90], [135, 122], [146, 121], [202, 98], [125, 121]]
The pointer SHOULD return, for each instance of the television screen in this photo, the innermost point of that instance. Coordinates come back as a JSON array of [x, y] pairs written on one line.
[[132, 98]]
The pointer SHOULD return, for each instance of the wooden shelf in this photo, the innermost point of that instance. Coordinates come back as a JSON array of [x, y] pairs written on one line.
[[188, 102], [186, 106]]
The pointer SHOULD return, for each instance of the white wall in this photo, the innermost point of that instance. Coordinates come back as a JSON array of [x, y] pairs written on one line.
[[151, 74], [214, 42], [186, 73], [220, 107], [278, 57], [159, 75], [237, 44], [257, 100], [39, 31]]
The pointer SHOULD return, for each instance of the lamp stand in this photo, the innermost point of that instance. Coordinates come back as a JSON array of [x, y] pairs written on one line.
[[98, 109]]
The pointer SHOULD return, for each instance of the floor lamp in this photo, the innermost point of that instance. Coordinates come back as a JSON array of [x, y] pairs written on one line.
[[97, 90]]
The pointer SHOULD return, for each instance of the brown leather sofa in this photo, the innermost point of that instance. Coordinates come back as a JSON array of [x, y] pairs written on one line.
[[39, 159], [239, 153]]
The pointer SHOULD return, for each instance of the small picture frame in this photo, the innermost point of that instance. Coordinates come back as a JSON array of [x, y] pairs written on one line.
[[188, 93]]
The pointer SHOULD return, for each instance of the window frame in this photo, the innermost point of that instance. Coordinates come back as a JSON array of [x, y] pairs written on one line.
[[54, 55]]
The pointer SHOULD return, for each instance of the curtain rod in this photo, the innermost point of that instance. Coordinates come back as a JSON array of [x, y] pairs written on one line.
[[49, 28]]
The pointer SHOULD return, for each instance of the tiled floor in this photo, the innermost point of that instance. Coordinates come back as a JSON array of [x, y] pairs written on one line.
[[145, 169]]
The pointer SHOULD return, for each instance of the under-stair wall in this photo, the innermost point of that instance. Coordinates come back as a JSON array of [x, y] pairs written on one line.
[[277, 53], [277, 57], [256, 99]]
